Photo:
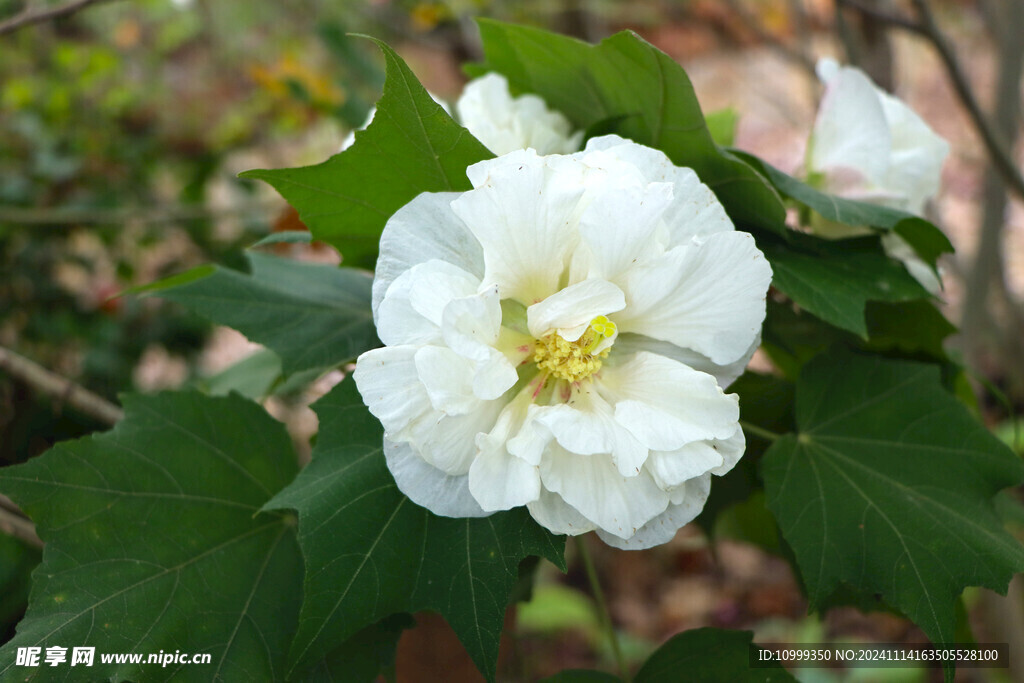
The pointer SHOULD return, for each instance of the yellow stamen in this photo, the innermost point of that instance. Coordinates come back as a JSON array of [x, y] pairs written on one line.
[[574, 361]]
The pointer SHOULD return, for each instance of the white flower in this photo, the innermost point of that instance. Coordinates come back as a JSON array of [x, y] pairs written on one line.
[[559, 336], [503, 123], [870, 146]]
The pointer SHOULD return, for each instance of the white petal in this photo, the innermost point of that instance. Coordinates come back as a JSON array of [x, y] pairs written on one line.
[[525, 217], [500, 481], [574, 307], [628, 344], [666, 404], [424, 229], [708, 297], [398, 322], [390, 387], [587, 425], [663, 528], [504, 124], [731, 450], [448, 379], [915, 164], [694, 212], [850, 130], [471, 325], [449, 442], [674, 468], [412, 307], [557, 516], [428, 486], [530, 438], [592, 485], [619, 224]]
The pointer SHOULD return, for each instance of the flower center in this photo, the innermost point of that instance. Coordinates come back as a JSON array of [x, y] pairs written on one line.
[[575, 361]]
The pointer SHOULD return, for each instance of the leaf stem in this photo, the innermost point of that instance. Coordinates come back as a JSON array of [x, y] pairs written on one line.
[[761, 432], [605, 615]]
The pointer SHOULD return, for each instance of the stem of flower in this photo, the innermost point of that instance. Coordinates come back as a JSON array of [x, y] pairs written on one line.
[[606, 617], [754, 430]]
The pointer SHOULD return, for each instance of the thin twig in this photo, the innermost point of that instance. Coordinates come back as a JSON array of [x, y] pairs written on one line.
[[927, 28], [602, 606], [14, 523], [753, 24], [50, 383], [28, 16], [882, 15]]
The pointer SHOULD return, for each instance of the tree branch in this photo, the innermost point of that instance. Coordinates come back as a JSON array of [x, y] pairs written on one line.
[[47, 382], [882, 15], [14, 523], [28, 16], [926, 27]]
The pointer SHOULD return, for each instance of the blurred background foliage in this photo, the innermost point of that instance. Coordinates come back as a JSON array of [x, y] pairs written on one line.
[[123, 127]]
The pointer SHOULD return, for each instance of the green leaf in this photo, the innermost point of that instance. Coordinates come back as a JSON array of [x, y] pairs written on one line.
[[928, 241], [412, 146], [253, 377], [17, 560], [643, 91], [887, 489], [313, 316], [834, 279], [155, 541], [709, 654], [371, 552]]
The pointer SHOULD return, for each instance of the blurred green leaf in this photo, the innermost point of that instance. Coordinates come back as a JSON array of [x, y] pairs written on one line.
[[313, 316], [709, 654], [722, 126]]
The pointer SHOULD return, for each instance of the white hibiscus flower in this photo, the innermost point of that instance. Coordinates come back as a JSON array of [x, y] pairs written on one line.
[[558, 338], [504, 123], [870, 146]]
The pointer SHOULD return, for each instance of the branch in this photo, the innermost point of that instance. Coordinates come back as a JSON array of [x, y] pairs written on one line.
[[27, 17], [14, 523], [47, 382], [926, 27], [883, 16]]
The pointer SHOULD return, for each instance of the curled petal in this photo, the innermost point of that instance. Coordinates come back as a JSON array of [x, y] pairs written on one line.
[[429, 487], [592, 485], [672, 298], [683, 510]]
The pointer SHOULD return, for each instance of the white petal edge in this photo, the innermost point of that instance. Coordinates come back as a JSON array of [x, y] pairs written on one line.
[[574, 307], [663, 528], [443, 494], [424, 229]]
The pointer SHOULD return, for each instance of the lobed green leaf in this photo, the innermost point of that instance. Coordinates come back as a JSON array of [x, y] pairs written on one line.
[[155, 541], [887, 490]]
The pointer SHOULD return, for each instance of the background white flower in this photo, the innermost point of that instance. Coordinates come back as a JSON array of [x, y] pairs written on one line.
[[559, 336], [504, 123], [870, 146]]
